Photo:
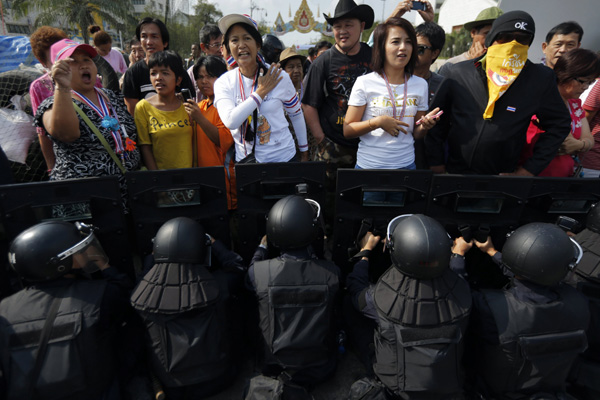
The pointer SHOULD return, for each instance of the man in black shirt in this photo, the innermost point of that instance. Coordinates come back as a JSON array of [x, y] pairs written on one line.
[[154, 36], [330, 80]]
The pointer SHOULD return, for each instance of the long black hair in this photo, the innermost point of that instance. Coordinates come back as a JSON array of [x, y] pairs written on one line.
[[215, 66]]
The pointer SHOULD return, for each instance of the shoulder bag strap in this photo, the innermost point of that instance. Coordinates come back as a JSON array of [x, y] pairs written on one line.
[[100, 137], [34, 374]]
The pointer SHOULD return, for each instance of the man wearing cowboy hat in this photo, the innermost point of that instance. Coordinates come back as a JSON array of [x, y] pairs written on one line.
[[478, 28], [337, 68]]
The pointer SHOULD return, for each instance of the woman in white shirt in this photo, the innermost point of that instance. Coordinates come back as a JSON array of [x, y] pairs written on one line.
[[252, 98], [387, 128]]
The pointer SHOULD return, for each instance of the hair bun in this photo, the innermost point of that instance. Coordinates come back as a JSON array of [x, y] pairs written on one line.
[[94, 28]]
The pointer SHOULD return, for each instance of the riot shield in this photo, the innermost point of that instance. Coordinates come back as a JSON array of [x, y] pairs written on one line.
[[158, 196], [475, 207], [374, 196], [549, 198], [96, 201], [259, 186]]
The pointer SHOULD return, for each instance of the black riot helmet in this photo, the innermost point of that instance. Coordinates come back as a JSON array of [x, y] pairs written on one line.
[[271, 48], [592, 221], [541, 253], [49, 250], [292, 222], [181, 240], [419, 246]]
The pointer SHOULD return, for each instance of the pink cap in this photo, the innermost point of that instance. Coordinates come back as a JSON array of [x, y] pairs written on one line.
[[64, 48]]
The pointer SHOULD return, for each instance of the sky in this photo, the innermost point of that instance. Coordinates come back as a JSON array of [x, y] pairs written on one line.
[[270, 8]]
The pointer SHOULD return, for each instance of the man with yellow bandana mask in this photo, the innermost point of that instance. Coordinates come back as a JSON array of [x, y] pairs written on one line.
[[488, 103]]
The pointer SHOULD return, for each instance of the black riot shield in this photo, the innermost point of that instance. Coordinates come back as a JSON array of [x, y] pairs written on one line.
[[259, 186], [374, 197], [475, 207], [158, 196], [91, 200], [549, 198]]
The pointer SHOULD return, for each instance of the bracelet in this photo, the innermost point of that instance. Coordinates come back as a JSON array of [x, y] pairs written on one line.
[[370, 124], [61, 89], [583, 148]]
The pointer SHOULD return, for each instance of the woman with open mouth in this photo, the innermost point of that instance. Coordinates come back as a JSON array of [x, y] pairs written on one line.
[[251, 99], [387, 108], [92, 132]]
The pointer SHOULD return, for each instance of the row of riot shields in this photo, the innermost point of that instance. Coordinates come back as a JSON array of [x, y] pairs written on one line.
[[468, 205]]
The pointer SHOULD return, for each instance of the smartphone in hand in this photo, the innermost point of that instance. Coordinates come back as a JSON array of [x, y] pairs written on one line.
[[418, 5], [186, 94]]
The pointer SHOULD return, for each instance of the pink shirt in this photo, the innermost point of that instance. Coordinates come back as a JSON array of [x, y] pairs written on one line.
[[591, 159], [116, 60]]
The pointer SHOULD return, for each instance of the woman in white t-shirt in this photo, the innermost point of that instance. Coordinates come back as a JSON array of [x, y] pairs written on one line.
[[386, 128], [252, 98]]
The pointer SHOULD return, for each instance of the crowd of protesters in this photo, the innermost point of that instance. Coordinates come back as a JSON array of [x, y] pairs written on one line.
[[243, 98]]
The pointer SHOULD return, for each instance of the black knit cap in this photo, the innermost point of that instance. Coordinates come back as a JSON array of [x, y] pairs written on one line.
[[512, 21]]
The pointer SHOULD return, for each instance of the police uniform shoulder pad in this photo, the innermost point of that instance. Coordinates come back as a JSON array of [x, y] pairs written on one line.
[[422, 302], [174, 288]]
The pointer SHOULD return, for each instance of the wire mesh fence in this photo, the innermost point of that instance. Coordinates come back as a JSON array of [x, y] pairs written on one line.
[[27, 163]]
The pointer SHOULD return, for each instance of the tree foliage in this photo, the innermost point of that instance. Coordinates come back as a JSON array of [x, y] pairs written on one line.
[[456, 43], [77, 14], [184, 29], [205, 13]]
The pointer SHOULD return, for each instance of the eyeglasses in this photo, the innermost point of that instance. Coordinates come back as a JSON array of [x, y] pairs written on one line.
[[422, 48], [214, 45], [584, 83], [521, 37]]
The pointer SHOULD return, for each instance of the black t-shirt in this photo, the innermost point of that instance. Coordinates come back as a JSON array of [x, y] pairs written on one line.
[[328, 85], [137, 85]]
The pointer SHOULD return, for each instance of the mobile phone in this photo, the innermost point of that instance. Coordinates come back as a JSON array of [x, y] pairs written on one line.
[[439, 114], [418, 5], [186, 94]]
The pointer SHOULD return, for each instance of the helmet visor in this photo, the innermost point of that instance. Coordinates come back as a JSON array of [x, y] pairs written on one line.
[[315, 206], [392, 225], [578, 251], [87, 254]]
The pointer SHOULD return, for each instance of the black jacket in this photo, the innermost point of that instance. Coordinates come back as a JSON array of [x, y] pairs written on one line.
[[478, 146]]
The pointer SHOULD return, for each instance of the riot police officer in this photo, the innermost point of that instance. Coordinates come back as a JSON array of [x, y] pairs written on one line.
[[58, 334], [187, 308], [586, 279], [421, 308], [527, 335], [297, 293]]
